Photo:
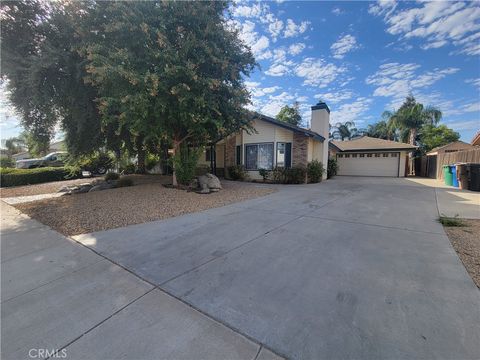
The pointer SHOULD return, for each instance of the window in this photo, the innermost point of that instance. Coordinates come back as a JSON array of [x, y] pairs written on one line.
[[208, 154], [340, 155], [369, 155], [281, 154], [347, 155], [362, 155], [354, 155], [385, 155], [259, 156], [393, 154], [377, 155]]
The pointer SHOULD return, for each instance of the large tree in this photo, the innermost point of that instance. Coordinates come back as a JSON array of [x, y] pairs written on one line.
[[431, 136], [169, 71], [290, 114], [411, 116], [346, 130]]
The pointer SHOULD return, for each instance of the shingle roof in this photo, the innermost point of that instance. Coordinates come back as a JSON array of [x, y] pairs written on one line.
[[456, 145], [288, 126], [370, 143]]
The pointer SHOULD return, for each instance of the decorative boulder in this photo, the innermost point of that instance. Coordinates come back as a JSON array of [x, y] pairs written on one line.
[[209, 183], [103, 186]]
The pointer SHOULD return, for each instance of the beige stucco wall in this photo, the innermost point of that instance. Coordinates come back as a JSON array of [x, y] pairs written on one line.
[[265, 133], [403, 159], [220, 152]]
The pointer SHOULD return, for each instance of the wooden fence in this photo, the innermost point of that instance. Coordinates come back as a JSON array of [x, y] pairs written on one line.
[[468, 156]]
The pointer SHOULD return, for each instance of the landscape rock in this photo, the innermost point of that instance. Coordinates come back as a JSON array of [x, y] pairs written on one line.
[[103, 186], [210, 182]]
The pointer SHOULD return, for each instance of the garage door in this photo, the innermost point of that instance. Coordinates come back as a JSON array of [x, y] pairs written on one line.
[[368, 164]]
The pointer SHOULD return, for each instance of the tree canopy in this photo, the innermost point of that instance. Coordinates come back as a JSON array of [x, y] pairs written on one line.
[[290, 114], [432, 136], [126, 74]]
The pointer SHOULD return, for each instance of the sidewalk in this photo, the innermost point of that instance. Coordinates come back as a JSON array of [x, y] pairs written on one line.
[[57, 294]]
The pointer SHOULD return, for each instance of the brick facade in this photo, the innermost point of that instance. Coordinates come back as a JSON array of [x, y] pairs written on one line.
[[230, 145], [299, 150]]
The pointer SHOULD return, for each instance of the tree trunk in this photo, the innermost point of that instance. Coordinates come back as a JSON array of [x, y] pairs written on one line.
[[176, 148], [413, 136], [411, 140], [141, 153]]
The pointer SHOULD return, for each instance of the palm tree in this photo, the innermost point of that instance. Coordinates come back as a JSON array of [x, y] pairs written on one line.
[[383, 130], [345, 130], [411, 116]]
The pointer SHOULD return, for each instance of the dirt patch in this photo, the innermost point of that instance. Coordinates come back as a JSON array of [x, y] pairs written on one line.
[[52, 187], [101, 210], [466, 242]]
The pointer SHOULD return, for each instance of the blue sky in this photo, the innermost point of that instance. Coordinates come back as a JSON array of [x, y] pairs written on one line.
[[360, 57], [364, 57]]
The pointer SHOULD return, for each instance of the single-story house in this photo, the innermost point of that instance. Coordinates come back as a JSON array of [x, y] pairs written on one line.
[[273, 144], [451, 147], [432, 166], [367, 156]]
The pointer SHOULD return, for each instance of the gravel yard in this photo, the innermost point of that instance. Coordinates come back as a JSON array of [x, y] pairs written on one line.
[[466, 242], [147, 201]]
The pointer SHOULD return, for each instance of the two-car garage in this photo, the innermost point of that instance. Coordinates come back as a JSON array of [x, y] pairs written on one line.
[[368, 156]]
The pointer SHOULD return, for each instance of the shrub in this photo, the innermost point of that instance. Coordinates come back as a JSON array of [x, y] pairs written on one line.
[[237, 172], [17, 177], [202, 170], [184, 163], [264, 173], [124, 181], [6, 162], [294, 175], [450, 221], [332, 168], [128, 169], [315, 171], [151, 160], [97, 162], [112, 176]]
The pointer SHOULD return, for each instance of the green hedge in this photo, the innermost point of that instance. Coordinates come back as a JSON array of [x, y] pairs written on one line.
[[17, 177]]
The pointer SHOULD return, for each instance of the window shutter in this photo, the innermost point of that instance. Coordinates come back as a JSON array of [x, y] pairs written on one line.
[[288, 155], [239, 155]]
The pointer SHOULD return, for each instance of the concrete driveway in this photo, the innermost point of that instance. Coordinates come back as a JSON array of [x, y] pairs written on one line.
[[350, 268]]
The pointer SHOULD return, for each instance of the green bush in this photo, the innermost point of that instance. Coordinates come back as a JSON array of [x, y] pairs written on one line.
[[17, 177], [97, 162], [6, 162], [264, 173], [332, 168], [294, 175], [128, 169], [112, 176], [237, 172], [202, 170], [124, 181], [184, 163], [151, 161], [315, 171]]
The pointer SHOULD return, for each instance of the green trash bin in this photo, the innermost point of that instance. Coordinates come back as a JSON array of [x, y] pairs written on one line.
[[447, 175]]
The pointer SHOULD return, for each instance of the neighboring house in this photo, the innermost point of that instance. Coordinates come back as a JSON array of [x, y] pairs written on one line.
[[54, 147], [367, 156], [432, 167], [273, 144], [476, 139], [451, 147]]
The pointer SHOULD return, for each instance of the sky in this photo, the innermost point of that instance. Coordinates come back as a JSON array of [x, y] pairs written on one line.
[[361, 58]]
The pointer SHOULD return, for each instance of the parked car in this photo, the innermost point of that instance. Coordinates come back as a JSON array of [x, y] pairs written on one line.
[[55, 159]]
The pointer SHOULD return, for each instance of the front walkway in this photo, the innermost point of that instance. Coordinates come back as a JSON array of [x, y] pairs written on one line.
[[57, 294]]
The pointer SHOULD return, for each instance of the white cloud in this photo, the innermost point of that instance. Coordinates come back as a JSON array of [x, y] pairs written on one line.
[[335, 97], [258, 44], [317, 72], [248, 11], [337, 11], [439, 23], [277, 70], [351, 111], [275, 28], [474, 82], [398, 80], [292, 29], [343, 45], [296, 49], [464, 125]]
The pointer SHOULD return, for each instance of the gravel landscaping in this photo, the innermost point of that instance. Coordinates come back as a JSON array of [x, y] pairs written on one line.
[[466, 242], [147, 201]]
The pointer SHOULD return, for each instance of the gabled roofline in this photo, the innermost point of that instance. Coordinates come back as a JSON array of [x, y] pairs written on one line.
[[288, 126]]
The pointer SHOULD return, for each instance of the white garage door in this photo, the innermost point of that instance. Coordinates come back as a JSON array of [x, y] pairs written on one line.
[[368, 164]]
